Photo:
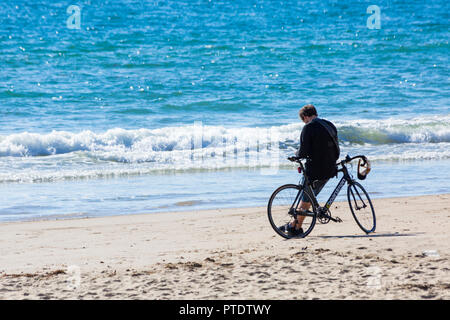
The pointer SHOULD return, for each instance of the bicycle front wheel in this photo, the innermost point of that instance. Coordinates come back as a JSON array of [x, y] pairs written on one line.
[[282, 207], [361, 207]]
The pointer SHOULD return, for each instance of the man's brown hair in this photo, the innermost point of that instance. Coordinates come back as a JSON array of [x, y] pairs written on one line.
[[307, 111]]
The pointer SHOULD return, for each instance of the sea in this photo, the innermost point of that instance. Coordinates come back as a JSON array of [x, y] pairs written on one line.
[[138, 107]]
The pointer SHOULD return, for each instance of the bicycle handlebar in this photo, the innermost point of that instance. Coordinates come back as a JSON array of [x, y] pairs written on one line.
[[294, 159], [346, 160], [350, 159]]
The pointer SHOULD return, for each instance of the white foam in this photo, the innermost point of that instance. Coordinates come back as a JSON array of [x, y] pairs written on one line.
[[140, 145], [61, 155]]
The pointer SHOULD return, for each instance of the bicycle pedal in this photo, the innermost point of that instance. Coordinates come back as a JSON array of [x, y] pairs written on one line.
[[338, 219]]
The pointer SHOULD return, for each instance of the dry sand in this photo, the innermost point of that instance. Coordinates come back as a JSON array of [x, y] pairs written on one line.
[[231, 254]]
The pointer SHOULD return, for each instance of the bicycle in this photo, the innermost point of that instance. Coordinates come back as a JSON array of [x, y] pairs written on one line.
[[284, 202]]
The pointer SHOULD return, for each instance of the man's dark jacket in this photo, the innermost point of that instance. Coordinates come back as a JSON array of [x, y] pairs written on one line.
[[317, 146]]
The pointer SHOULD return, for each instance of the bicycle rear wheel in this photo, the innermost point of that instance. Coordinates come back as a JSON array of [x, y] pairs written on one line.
[[361, 207], [281, 210]]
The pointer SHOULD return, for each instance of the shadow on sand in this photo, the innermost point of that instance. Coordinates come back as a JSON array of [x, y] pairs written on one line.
[[375, 235]]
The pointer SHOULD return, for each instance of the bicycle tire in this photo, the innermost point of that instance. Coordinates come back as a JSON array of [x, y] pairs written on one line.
[[367, 220], [278, 211]]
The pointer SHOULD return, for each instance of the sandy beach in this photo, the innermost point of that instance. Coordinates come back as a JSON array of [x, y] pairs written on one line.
[[231, 254]]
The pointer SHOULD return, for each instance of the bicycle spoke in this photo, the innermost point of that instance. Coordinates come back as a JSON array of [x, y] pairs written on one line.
[[360, 198], [361, 207]]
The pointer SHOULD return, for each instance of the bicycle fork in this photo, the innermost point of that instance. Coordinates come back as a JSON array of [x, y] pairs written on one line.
[[357, 207]]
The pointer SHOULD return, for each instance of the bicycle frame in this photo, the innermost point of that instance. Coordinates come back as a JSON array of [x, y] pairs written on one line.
[[335, 193], [346, 178]]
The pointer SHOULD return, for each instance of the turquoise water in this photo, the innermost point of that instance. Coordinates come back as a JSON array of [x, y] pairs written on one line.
[[103, 119]]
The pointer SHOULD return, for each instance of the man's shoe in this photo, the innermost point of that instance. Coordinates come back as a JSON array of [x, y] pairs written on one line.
[[292, 231], [295, 232]]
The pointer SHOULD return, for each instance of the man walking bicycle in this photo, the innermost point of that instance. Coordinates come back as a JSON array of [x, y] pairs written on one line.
[[319, 146]]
